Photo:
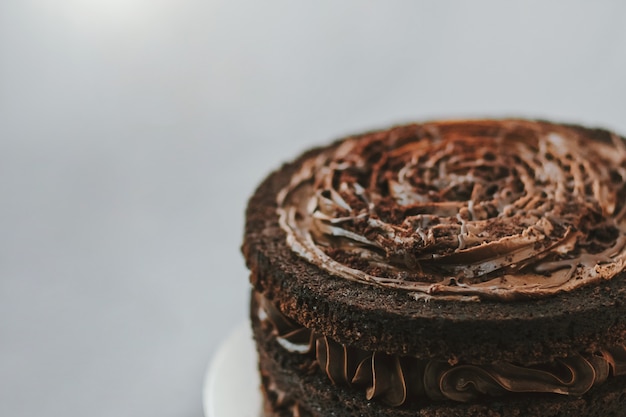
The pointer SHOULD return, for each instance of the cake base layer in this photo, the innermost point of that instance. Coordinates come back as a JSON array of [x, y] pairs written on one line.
[[293, 387]]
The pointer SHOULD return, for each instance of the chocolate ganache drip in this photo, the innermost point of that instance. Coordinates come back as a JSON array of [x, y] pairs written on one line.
[[464, 210], [397, 380]]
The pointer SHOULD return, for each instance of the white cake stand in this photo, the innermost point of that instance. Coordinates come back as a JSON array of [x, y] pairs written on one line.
[[231, 384]]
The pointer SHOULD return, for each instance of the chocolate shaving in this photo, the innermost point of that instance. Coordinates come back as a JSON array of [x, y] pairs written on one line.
[[464, 210]]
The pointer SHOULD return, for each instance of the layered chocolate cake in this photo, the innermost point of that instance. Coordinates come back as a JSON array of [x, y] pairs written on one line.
[[455, 268]]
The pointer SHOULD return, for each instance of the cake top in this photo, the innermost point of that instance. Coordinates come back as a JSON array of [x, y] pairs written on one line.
[[463, 210]]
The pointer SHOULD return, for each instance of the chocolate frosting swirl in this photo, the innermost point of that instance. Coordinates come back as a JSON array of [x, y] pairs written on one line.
[[464, 210], [396, 380]]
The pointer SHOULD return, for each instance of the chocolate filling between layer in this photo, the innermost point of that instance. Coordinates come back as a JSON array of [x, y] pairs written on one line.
[[396, 380]]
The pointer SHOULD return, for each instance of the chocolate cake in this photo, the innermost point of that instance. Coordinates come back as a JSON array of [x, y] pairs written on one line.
[[453, 268]]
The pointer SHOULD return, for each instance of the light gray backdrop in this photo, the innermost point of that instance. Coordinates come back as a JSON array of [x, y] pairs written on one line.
[[133, 131]]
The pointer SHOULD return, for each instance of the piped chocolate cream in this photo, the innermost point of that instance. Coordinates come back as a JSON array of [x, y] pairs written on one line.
[[463, 210], [397, 380]]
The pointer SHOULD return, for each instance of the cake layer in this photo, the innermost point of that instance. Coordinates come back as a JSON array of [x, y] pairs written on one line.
[[455, 318], [399, 380], [456, 268], [293, 387]]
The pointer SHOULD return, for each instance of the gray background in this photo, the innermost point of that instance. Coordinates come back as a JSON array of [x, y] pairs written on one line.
[[133, 131]]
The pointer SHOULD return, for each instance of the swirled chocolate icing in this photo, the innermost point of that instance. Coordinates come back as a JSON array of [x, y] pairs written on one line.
[[463, 210], [396, 380]]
